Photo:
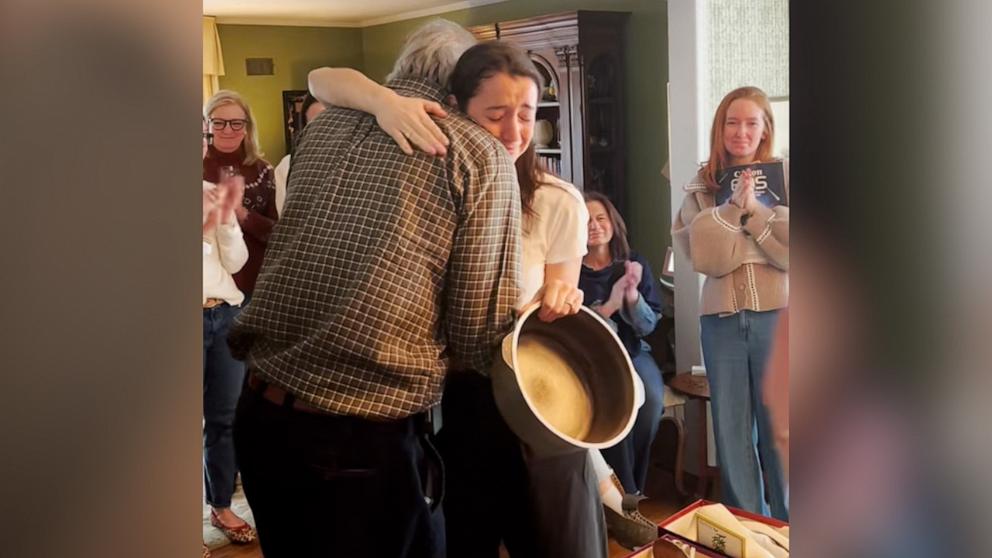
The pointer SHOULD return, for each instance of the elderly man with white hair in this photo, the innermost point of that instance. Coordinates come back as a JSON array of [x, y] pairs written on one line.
[[384, 272]]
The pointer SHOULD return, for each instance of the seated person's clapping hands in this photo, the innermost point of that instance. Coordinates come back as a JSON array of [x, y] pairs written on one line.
[[624, 291]]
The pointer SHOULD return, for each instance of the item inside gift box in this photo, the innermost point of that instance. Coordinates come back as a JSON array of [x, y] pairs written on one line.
[[706, 529], [729, 531]]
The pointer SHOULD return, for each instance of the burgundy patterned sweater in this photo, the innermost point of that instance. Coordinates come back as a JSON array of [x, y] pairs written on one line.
[[260, 200]]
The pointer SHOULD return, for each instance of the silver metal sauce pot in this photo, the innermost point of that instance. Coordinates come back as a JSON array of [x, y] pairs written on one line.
[[565, 386]]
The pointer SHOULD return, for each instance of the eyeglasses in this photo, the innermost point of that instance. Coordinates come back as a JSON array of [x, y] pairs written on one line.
[[236, 124], [209, 137]]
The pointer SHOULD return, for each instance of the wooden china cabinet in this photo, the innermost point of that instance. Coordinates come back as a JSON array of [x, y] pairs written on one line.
[[580, 55]]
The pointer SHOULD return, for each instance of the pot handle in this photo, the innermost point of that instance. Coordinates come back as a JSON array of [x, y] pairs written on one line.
[[507, 351]]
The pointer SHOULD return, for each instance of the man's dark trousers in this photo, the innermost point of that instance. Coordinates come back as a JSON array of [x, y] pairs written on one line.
[[338, 486]]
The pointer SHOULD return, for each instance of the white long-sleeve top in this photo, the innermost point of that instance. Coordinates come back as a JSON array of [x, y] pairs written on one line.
[[224, 253], [281, 175]]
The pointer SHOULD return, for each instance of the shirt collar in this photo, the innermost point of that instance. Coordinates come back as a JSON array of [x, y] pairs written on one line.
[[419, 87]]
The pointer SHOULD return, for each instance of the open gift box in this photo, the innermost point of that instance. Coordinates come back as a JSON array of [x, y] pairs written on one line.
[[713, 530]]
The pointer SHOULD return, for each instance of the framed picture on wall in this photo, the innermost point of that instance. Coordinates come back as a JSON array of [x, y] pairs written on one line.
[[292, 115]]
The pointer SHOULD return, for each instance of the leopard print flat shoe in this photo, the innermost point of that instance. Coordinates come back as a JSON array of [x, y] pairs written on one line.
[[237, 535]]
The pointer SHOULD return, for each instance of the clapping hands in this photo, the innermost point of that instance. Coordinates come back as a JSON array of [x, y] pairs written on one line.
[[633, 271], [624, 291], [222, 203], [744, 196]]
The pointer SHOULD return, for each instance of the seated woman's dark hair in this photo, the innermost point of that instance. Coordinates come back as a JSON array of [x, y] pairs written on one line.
[[619, 247]]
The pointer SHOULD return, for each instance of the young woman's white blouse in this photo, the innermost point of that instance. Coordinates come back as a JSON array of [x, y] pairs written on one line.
[[557, 232]]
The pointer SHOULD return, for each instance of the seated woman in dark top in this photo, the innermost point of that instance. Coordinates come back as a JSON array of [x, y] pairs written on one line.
[[619, 285]]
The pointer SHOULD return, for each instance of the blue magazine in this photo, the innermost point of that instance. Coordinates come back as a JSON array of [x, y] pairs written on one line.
[[769, 183]]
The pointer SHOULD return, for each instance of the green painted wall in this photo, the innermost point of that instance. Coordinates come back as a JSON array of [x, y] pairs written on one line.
[[295, 51], [646, 68]]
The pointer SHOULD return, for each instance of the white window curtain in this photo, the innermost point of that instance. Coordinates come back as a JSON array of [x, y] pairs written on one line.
[[213, 58]]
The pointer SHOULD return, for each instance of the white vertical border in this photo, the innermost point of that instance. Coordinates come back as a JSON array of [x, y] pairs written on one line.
[[780, 109], [689, 121], [688, 131]]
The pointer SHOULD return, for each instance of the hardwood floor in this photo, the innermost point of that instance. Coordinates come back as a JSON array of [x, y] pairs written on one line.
[[238, 551], [655, 509]]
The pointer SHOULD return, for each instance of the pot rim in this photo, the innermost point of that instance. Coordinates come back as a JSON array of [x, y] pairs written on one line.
[[521, 320]]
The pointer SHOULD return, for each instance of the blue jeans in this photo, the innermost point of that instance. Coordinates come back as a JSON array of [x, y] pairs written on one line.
[[223, 377], [735, 351], [629, 459]]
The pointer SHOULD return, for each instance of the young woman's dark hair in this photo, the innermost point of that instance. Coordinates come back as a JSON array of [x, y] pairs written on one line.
[[483, 61], [619, 247]]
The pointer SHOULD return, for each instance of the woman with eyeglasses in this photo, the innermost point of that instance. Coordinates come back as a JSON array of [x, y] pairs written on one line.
[[233, 149], [235, 144], [224, 253]]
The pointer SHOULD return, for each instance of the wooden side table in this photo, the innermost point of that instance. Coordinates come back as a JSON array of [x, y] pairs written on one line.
[[697, 388]]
